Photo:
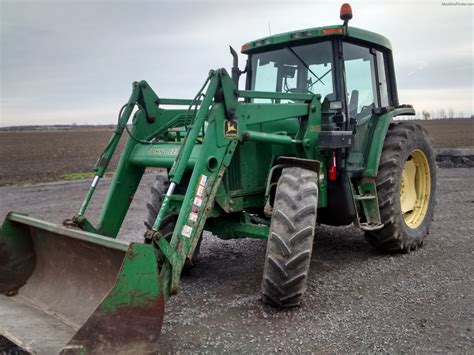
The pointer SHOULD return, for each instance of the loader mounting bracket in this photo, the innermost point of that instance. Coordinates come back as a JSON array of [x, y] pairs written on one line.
[[281, 163], [309, 164]]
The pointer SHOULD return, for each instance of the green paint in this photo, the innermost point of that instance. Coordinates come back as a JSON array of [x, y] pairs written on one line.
[[310, 35], [375, 142], [24, 220], [138, 282], [232, 227], [368, 199]]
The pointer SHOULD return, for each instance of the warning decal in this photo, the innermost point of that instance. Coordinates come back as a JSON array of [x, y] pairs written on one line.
[[193, 216], [186, 231], [196, 207], [203, 180], [200, 191], [197, 201]]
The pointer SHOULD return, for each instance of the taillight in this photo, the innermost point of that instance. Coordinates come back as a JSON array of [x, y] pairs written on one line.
[[332, 171]]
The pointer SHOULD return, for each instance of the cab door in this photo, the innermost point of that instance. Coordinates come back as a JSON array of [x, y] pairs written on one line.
[[366, 89]]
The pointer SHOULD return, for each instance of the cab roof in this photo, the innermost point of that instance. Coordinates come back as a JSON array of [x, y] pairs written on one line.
[[309, 34]]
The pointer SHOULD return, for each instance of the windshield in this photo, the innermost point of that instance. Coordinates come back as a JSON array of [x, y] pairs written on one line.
[[301, 69]]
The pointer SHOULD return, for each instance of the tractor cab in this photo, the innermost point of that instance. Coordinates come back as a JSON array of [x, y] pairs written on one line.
[[350, 68], [352, 71]]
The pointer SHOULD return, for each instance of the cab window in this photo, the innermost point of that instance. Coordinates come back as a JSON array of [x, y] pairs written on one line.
[[382, 79], [359, 64], [298, 69]]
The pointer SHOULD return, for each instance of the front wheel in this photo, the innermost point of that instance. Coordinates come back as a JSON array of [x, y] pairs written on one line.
[[157, 193], [406, 189], [290, 242]]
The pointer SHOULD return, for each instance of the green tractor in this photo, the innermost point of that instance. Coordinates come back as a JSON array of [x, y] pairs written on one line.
[[310, 140]]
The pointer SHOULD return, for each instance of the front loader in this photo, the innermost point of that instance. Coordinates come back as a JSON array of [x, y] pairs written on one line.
[[310, 140]]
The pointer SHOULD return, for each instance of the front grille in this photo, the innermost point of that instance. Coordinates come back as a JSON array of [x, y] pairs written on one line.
[[232, 178]]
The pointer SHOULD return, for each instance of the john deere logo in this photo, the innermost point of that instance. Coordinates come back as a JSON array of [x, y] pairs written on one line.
[[230, 129], [161, 151]]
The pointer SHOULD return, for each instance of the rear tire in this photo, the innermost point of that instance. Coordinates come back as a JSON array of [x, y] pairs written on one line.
[[290, 242], [406, 189]]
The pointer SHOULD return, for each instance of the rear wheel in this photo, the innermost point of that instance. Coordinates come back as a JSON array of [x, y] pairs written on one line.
[[158, 191], [290, 242], [406, 188]]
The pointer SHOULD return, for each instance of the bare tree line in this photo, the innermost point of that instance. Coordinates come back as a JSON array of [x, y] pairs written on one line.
[[443, 114]]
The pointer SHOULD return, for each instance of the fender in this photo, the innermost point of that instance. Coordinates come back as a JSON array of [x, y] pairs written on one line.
[[379, 132]]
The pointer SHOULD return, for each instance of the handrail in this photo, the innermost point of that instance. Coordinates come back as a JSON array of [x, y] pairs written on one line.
[[276, 95], [183, 102]]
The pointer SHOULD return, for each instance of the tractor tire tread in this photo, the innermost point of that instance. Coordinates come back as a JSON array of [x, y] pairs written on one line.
[[290, 243], [157, 191], [395, 236]]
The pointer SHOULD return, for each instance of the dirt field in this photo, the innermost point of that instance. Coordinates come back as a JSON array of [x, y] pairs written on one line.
[[450, 133], [41, 156], [358, 300]]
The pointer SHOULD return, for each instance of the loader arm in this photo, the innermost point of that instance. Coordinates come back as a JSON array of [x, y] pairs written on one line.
[[140, 277], [199, 198], [227, 122], [216, 153]]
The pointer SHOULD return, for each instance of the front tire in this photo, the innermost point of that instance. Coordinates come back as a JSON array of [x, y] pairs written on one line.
[[406, 189], [157, 193], [290, 243]]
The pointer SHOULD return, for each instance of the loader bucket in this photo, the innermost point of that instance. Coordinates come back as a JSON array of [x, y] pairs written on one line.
[[67, 291]]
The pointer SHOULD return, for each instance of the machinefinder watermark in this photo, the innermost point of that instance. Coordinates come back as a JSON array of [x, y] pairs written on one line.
[[456, 3]]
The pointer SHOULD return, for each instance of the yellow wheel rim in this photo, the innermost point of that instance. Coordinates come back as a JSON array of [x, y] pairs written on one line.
[[415, 189]]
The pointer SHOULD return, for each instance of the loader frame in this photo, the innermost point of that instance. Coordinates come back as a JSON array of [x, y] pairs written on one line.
[[207, 156], [219, 125]]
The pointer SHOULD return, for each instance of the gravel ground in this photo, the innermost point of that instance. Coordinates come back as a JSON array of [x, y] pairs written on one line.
[[357, 300]]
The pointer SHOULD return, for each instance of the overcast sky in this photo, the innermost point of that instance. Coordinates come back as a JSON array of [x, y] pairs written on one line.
[[66, 62]]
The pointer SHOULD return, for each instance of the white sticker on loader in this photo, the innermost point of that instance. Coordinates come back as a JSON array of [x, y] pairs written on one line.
[[198, 201], [193, 216], [186, 231], [203, 180], [200, 191]]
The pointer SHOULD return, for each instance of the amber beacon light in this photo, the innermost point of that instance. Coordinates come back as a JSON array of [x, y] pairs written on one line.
[[346, 13]]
